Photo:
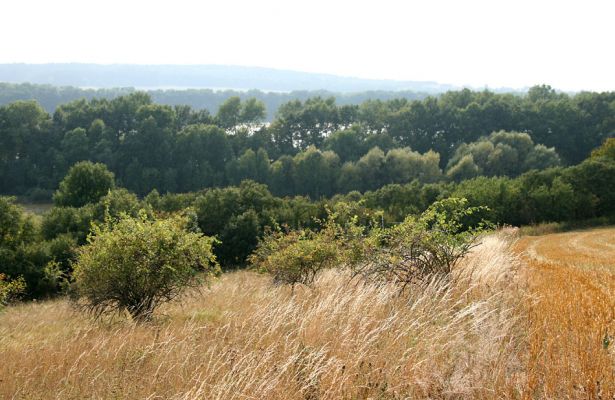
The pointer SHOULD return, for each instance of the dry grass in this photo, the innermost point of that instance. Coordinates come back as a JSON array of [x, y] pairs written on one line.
[[499, 330], [572, 315], [244, 338]]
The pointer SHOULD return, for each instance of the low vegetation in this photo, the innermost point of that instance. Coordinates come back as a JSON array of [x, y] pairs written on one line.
[[413, 252], [135, 265], [511, 324], [571, 314], [10, 290], [243, 338]]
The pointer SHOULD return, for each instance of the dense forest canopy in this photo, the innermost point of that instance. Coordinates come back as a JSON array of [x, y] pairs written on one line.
[[41, 249], [315, 147], [51, 97]]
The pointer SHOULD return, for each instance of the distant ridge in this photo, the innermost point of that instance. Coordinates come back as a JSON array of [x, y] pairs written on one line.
[[201, 76]]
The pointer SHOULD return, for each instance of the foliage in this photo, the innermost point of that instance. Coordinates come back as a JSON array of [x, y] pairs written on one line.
[[10, 290], [296, 257], [607, 149], [420, 248], [409, 253], [85, 183], [500, 154], [136, 264], [177, 149], [23, 255], [41, 249]]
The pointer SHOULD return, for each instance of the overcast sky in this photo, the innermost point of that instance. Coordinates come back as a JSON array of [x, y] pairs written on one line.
[[568, 44]]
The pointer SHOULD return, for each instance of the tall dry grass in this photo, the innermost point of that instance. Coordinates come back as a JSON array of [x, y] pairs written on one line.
[[245, 339]]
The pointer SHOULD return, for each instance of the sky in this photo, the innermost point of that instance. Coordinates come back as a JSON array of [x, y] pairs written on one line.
[[567, 44]]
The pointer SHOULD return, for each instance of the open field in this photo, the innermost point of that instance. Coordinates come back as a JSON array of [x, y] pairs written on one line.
[[506, 327], [37, 208], [572, 313]]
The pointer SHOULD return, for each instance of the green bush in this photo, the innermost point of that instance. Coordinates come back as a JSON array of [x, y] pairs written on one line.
[[420, 248], [10, 290], [296, 257], [136, 264], [411, 252]]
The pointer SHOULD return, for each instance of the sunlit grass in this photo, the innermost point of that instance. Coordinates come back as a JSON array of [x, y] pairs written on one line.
[[504, 328], [572, 314]]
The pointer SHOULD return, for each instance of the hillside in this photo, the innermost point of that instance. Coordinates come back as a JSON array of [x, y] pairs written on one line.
[[200, 76], [508, 328]]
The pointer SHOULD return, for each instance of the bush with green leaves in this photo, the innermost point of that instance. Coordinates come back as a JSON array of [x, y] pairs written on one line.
[[22, 254], [136, 264], [293, 257], [297, 256], [408, 253], [10, 290], [422, 247]]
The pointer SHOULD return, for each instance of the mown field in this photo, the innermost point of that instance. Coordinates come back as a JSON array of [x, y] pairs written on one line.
[[571, 314], [531, 318]]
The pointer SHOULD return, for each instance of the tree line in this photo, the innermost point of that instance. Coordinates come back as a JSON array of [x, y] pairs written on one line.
[[51, 97], [41, 249], [314, 147]]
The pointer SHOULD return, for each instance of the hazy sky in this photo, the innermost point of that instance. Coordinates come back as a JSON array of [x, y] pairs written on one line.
[[568, 44]]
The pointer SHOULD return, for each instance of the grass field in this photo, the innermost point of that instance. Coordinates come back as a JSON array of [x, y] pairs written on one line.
[[524, 319], [571, 315]]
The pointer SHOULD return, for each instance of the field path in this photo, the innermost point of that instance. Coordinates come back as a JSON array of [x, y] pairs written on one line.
[[571, 314], [594, 247]]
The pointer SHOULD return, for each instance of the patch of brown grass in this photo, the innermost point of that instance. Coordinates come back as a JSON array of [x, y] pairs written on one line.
[[572, 314], [505, 327], [246, 339]]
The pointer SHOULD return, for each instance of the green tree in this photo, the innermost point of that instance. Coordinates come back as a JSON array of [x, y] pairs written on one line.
[[372, 169], [85, 183], [201, 154], [607, 149], [466, 168], [282, 174], [316, 172], [75, 146], [252, 111], [348, 144], [229, 113]]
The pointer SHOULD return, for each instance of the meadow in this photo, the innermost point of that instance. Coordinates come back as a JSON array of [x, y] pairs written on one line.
[[529, 317]]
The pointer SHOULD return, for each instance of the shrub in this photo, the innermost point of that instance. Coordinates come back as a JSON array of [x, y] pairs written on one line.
[[409, 253], [296, 257], [137, 264], [68, 220], [10, 290], [420, 248]]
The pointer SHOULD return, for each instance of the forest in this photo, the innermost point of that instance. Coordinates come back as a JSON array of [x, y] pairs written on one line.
[[51, 97], [313, 147], [542, 157]]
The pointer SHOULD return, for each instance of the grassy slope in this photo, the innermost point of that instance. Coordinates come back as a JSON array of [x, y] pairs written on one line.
[[501, 330]]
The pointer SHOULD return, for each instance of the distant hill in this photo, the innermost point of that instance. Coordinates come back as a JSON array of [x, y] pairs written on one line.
[[201, 76]]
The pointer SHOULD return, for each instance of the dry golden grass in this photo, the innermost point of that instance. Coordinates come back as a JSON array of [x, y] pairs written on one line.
[[499, 330], [572, 314], [244, 338]]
